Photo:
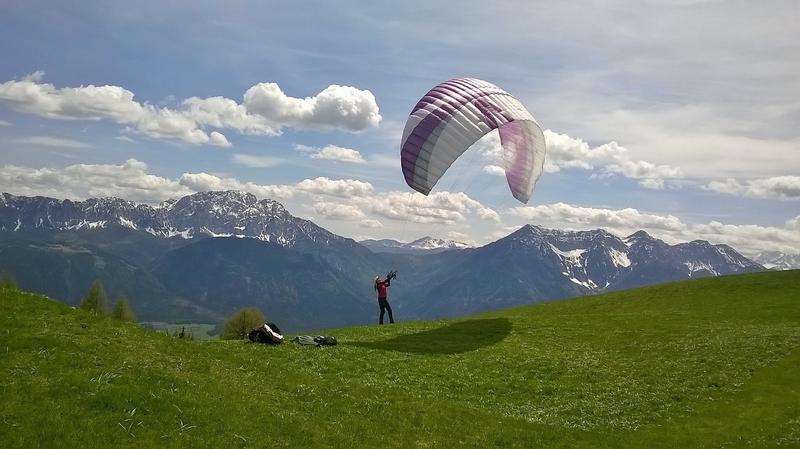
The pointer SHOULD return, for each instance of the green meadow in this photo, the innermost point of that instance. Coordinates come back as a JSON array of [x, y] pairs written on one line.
[[710, 363]]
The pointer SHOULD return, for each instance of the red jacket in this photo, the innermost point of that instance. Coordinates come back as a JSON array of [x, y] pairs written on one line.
[[381, 286]]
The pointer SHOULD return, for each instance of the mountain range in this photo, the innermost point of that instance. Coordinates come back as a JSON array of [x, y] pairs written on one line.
[[422, 245], [535, 264], [776, 260], [201, 257]]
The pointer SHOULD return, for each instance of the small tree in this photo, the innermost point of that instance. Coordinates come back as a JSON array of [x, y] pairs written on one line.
[[7, 281], [95, 301], [122, 310], [241, 322]]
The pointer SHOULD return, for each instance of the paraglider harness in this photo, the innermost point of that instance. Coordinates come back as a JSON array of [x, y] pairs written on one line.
[[267, 333]]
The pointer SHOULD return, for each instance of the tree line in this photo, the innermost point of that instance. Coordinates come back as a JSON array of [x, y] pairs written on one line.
[[96, 302]]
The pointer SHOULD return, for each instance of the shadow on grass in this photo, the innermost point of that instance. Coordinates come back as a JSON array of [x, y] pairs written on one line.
[[455, 338]]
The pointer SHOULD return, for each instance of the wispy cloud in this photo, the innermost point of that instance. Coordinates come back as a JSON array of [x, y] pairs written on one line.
[[255, 161], [50, 141], [778, 187]]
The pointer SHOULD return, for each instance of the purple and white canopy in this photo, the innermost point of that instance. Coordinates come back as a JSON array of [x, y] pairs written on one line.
[[456, 114]]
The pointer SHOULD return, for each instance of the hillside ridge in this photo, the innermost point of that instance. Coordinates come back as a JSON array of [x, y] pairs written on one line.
[[706, 361]]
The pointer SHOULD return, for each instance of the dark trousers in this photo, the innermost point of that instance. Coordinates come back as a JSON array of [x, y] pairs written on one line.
[[384, 305]]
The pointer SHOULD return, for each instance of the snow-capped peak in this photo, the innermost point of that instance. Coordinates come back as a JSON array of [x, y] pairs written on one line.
[[430, 243], [777, 260], [422, 245], [637, 236]]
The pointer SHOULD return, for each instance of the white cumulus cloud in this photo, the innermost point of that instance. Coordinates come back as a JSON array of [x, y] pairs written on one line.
[[495, 170], [438, 207], [793, 224], [129, 180], [333, 153], [336, 106], [627, 219], [565, 153], [461, 237], [336, 211], [370, 224], [265, 110], [750, 239], [777, 187], [199, 182], [343, 188]]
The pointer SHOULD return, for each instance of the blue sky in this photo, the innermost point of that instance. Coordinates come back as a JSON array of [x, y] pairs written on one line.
[[677, 117]]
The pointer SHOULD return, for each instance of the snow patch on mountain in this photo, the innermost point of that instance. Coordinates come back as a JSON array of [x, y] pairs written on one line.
[[171, 232], [619, 258], [696, 266], [587, 283], [211, 233], [127, 223], [83, 224], [572, 255], [574, 263]]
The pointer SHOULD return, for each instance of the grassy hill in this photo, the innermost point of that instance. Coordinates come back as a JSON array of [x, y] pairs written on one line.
[[701, 364]]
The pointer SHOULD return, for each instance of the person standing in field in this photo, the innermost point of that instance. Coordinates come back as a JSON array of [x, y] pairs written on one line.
[[382, 288]]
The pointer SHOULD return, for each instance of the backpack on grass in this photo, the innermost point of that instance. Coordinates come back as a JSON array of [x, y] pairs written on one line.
[[267, 333], [319, 340]]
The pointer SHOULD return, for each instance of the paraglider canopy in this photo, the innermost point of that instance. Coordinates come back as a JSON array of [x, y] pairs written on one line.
[[457, 113]]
